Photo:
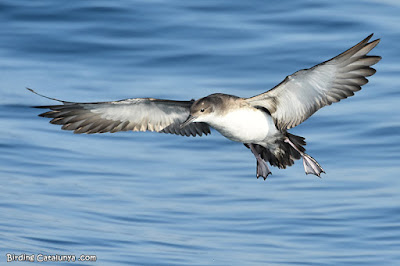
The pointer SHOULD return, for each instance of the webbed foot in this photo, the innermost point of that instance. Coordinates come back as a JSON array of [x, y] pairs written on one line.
[[311, 166], [262, 166], [262, 169]]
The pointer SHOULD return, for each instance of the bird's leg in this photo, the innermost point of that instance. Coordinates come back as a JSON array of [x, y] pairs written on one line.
[[262, 166], [311, 166]]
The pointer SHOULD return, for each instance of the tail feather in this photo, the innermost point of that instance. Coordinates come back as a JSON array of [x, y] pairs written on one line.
[[298, 141], [284, 155], [284, 151]]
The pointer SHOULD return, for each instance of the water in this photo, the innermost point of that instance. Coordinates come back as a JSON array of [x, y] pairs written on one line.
[[154, 199]]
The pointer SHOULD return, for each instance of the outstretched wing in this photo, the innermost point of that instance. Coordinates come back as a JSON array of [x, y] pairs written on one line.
[[301, 94], [140, 114]]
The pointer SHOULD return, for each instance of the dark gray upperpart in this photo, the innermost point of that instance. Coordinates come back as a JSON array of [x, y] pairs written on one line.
[[219, 103]]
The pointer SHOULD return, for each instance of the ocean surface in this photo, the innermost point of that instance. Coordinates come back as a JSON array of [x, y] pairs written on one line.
[[157, 199]]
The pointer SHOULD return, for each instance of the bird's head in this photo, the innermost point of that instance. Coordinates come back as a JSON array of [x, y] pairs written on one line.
[[203, 109]]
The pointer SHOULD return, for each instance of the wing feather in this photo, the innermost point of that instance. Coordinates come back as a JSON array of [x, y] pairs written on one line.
[[139, 114], [303, 93]]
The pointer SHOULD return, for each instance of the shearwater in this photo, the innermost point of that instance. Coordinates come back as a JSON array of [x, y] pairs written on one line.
[[260, 122]]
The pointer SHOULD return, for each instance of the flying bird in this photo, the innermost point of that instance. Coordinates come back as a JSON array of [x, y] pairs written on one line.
[[260, 122]]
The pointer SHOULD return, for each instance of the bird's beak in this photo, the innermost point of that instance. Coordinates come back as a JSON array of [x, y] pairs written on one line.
[[188, 121]]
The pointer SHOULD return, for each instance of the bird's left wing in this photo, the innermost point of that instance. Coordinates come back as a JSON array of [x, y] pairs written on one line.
[[139, 114], [301, 94]]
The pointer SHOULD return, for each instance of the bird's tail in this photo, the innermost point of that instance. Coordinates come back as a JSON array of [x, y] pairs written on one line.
[[283, 154]]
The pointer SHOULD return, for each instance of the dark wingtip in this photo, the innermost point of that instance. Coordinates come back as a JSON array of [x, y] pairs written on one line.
[[366, 40], [374, 41]]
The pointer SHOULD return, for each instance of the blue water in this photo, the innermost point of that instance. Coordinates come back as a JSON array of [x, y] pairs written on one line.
[[155, 199]]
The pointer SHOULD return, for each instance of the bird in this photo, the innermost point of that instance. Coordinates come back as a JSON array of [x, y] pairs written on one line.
[[260, 122]]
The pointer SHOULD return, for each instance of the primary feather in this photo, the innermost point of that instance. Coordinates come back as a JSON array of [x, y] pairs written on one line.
[[139, 114], [303, 93]]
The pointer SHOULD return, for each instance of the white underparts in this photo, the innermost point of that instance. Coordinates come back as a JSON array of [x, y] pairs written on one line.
[[246, 125]]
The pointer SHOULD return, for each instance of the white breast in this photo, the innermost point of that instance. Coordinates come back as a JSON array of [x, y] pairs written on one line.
[[247, 125]]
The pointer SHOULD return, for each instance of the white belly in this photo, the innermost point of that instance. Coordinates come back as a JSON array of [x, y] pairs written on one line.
[[245, 125]]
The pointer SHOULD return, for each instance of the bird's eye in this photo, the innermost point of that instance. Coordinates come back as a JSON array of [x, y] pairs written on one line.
[[202, 110]]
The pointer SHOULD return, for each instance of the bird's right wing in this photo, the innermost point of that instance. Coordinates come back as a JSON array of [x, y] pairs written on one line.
[[139, 114]]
